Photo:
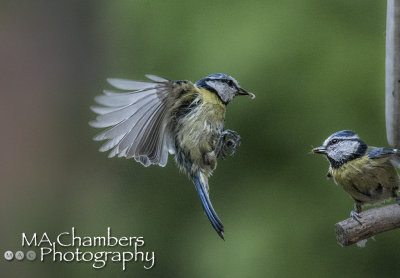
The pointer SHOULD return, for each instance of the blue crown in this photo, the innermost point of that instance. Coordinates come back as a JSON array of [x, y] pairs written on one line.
[[218, 76], [344, 133]]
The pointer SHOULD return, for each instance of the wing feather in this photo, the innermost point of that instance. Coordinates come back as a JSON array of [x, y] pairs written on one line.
[[112, 99], [392, 154], [124, 84], [137, 120], [126, 125], [111, 143], [164, 154], [151, 144], [156, 78], [129, 141], [117, 116], [103, 110], [147, 138]]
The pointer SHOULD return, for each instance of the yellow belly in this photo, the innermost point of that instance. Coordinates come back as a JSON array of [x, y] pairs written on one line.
[[199, 130], [367, 180]]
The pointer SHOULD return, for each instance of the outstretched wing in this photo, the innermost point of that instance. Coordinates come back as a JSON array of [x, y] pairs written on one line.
[[392, 154], [137, 120]]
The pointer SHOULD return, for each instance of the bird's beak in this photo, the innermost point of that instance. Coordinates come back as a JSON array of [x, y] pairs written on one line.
[[244, 92], [319, 150]]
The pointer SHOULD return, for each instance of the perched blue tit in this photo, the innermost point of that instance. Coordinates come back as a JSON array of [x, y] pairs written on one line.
[[159, 116], [368, 174]]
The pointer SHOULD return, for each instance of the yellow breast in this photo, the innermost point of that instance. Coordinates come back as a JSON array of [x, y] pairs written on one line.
[[198, 131], [367, 180], [210, 98]]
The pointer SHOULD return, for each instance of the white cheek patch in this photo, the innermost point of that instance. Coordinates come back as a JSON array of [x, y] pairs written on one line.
[[335, 153], [225, 92], [343, 150], [218, 86]]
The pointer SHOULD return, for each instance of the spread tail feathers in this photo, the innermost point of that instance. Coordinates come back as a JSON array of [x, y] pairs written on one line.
[[208, 208]]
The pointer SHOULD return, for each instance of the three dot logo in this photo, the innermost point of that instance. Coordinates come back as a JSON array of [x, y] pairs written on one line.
[[8, 255], [31, 255], [19, 255]]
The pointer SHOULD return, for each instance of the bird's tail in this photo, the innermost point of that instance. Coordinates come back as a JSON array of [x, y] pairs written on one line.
[[208, 208]]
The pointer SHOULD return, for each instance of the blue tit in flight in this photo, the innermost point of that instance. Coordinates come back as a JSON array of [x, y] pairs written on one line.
[[159, 116], [368, 174]]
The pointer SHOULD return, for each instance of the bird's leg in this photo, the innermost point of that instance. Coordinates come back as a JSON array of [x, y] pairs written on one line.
[[355, 213], [228, 139], [232, 142]]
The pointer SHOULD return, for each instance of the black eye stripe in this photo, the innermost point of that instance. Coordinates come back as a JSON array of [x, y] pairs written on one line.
[[332, 142], [337, 140], [226, 81]]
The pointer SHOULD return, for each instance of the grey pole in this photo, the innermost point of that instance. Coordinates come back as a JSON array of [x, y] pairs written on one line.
[[392, 64]]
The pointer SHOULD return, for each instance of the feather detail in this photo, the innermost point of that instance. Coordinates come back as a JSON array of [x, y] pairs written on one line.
[[124, 84], [156, 78], [137, 120], [201, 186]]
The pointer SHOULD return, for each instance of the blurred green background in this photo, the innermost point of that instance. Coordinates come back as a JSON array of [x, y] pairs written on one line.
[[315, 66]]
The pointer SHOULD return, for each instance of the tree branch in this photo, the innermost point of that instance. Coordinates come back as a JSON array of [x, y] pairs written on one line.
[[373, 222]]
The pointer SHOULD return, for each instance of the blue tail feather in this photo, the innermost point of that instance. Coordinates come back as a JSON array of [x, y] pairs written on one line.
[[208, 208]]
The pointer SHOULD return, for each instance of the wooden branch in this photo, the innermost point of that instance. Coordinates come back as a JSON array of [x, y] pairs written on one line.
[[392, 64], [373, 222]]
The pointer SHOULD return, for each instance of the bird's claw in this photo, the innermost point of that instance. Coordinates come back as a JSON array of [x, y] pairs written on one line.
[[356, 216], [235, 136], [227, 143]]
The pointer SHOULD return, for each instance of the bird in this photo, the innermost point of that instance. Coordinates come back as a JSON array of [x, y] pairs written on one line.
[[147, 120], [367, 173]]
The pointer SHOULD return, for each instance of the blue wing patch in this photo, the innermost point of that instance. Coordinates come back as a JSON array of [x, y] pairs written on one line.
[[381, 153]]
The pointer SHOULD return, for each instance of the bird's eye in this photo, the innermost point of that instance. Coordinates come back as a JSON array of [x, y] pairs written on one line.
[[230, 82], [334, 141]]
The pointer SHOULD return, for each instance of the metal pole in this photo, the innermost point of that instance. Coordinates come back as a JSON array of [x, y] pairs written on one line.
[[392, 82]]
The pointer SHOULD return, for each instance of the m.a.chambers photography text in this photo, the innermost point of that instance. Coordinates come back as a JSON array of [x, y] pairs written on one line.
[[71, 247]]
